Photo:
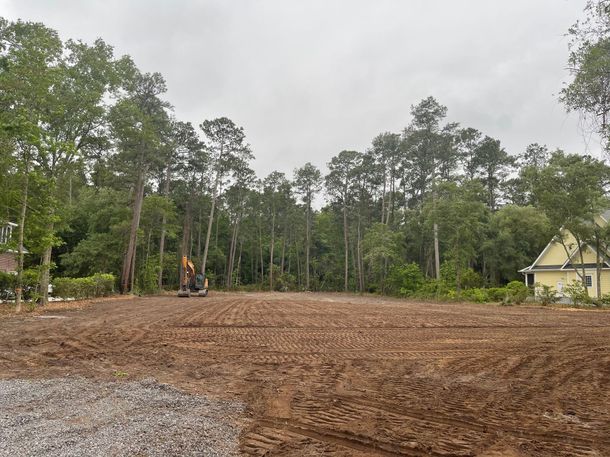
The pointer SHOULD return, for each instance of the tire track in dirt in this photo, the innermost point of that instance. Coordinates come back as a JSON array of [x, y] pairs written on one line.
[[343, 375]]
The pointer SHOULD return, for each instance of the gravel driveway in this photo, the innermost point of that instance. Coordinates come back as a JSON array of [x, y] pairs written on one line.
[[76, 417]]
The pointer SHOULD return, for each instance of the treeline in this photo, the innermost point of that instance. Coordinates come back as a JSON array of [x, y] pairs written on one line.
[[102, 178]]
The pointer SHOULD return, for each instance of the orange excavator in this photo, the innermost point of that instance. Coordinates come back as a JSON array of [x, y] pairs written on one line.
[[190, 281]]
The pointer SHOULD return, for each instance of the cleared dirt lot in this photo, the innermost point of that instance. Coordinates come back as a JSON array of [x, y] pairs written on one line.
[[342, 375]]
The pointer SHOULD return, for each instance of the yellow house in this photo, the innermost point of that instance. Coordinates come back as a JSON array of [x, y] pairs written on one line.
[[555, 267]]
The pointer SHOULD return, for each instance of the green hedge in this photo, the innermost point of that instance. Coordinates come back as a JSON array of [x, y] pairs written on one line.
[[98, 285], [8, 282]]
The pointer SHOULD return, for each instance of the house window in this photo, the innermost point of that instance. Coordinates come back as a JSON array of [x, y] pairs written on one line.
[[588, 281], [5, 234]]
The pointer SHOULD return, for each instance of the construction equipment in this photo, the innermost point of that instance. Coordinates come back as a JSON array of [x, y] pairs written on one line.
[[190, 281]]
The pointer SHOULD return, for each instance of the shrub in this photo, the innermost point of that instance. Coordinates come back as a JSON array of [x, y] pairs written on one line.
[[605, 299], [405, 279], [285, 282], [477, 295], [7, 285], [577, 293], [8, 282], [98, 285], [433, 288], [497, 294], [546, 294], [148, 281], [470, 279], [517, 292]]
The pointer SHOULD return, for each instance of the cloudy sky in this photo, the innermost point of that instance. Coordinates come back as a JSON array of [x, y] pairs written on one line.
[[307, 79]]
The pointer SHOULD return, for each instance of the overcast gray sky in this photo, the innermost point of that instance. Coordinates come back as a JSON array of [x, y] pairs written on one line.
[[307, 79]]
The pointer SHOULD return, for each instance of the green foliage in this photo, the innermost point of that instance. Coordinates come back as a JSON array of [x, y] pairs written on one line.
[[8, 282], [285, 282], [517, 293], [476, 295], [87, 137], [470, 279], [380, 245], [7, 285], [577, 293], [405, 279], [98, 285], [435, 289], [497, 294], [517, 235], [547, 295], [148, 277]]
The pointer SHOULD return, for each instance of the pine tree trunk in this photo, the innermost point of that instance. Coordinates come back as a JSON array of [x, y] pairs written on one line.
[[129, 258], [260, 247], [20, 249], [383, 197], [232, 250], [354, 264], [271, 249], [307, 235], [46, 270], [598, 267], [282, 261], [299, 273], [346, 247], [437, 257], [132, 272], [359, 259], [161, 252], [238, 272], [199, 231], [163, 231], [208, 234]]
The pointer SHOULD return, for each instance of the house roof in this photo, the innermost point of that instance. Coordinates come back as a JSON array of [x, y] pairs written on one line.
[[568, 264], [605, 215], [564, 267]]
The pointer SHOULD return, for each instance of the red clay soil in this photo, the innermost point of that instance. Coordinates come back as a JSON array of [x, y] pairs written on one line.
[[343, 375]]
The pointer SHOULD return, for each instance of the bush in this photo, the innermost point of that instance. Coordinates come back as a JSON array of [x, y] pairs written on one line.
[[470, 279], [433, 288], [577, 293], [8, 282], [405, 279], [497, 294], [285, 282], [605, 299], [148, 281], [517, 292], [477, 295], [98, 285], [7, 285], [546, 294]]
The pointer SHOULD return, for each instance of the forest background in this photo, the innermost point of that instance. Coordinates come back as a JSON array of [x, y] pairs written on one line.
[[101, 178]]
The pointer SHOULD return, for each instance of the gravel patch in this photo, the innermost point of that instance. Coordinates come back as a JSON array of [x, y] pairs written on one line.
[[78, 417]]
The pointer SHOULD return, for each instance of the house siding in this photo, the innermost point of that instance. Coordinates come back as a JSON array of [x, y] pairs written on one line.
[[8, 262], [551, 278], [555, 254]]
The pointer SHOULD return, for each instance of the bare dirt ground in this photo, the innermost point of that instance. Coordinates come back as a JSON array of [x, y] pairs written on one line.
[[343, 375]]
